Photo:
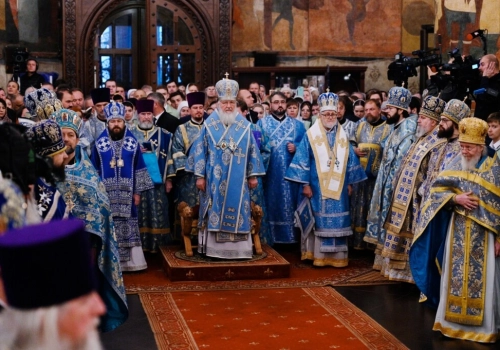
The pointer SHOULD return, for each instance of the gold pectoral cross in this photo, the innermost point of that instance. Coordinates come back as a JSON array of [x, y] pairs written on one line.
[[112, 164]]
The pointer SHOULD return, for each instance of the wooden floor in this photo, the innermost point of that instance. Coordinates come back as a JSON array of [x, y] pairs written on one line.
[[393, 306]]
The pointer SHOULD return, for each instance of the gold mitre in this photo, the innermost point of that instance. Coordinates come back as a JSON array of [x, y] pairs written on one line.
[[472, 130]]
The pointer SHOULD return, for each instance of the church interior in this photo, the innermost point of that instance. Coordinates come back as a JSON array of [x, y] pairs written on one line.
[[329, 44]]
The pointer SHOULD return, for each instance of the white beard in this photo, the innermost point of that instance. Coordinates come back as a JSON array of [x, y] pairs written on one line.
[[470, 164], [38, 329], [328, 125], [227, 118]]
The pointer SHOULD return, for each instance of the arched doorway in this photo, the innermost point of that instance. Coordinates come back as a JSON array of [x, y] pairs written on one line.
[[168, 40]]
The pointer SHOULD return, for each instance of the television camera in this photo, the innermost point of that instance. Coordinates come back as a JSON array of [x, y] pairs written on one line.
[[404, 67]]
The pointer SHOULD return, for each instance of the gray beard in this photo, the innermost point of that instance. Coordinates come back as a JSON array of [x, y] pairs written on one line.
[[146, 125], [421, 132], [227, 118], [470, 165]]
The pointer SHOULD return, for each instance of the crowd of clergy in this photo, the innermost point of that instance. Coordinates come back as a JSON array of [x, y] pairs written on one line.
[[414, 178]]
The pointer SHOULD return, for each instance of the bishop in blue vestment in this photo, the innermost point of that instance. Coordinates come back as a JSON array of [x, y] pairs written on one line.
[[226, 160], [118, 160], [326, 166]]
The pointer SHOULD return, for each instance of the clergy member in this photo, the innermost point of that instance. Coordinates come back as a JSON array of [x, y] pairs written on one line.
[[469, 288], [154, 142], [86, 196], [186, 192], [405, 205], [118, 160], [227, 161], [369, 136], [326, 166], [395, 149], [284, 135]]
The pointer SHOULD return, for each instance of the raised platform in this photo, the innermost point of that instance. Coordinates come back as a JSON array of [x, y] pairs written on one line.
[[179, 267]]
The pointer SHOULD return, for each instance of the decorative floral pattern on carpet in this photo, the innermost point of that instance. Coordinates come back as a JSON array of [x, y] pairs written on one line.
[[296, 318]]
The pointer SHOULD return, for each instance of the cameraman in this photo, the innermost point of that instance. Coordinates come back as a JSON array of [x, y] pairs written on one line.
[[488, 101], [31, 77]]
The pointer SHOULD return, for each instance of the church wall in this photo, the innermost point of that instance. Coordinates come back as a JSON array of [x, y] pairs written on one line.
[[301, 32], [356, 32]]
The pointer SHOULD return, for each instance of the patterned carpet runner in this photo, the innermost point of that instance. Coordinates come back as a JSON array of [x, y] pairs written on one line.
[[293, 318]]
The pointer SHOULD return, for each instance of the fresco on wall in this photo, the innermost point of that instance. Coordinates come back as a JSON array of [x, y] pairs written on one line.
[[30, 23], [415, 14], [457, 18], [339, 27]]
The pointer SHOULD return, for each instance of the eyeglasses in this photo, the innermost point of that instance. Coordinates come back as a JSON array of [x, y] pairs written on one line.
[[329, 115], [467, 148]]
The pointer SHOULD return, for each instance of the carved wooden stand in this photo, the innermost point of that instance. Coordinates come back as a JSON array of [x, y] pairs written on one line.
[[189, 225]]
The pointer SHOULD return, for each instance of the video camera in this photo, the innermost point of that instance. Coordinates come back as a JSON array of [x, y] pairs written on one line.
[[462, 68], [404, 67]]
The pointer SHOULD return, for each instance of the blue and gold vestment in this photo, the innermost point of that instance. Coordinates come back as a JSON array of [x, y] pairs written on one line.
[[369, 138], [469, 292], [405, 205]]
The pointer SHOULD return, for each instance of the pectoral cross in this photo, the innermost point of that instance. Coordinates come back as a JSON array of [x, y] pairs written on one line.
[[214, 124], [318, 141], [239, 125], [112, 164], [343, 142], [239, 155], [422, 147]]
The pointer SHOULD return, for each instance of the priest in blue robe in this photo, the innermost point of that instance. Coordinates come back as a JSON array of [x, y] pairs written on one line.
[[285, 134], [185, 190], [85, 195], [118, 160], [226, 160], [154, 224], [325, 166], [457, 237], [395, 148]]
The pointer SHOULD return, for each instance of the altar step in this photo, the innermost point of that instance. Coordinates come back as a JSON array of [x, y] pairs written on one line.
[[179, 267]]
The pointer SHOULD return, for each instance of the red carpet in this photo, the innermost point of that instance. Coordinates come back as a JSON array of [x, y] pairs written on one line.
[[294, 318], [302, 274]]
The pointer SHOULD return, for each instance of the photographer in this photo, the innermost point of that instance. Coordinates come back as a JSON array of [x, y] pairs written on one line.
[[488, 101]]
